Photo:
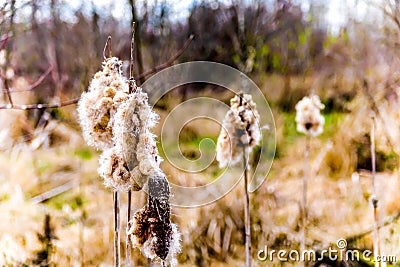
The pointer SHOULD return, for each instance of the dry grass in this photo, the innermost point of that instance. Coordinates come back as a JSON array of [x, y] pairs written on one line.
[[212, 235]]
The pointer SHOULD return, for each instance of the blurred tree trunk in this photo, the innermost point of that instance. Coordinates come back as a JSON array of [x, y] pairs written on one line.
[[138, 44], [38, 33], [56, 40], [96, 33]]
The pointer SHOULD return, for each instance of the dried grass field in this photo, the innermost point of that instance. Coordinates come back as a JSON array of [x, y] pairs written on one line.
[[111, 112], [213, 235]]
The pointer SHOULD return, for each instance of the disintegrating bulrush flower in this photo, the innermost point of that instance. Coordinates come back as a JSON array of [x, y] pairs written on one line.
[[151, 229], [133, 122], [115, 172], [308, 116], [119, 122], [96, 108], [240, 130]]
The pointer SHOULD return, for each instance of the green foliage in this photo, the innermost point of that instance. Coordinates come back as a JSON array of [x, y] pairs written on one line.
[[332, 121], [75, 202], [85, 154]]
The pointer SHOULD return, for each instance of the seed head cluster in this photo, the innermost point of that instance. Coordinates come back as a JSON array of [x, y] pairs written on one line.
[[240, 130], [97, 107], [117, 119], [151, 229], [308, 116]]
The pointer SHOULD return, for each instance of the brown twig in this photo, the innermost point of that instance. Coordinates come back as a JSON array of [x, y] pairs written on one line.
[[35, 84], [108, 44], [40, 106], [76, 100], [132, 55], [169, 62], [4, 41], [7, 89]]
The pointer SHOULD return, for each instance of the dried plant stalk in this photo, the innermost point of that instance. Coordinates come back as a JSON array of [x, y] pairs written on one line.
[[239, 135], [374, 199], [117, 227], [304, 212], [247, 217], [310, 122]]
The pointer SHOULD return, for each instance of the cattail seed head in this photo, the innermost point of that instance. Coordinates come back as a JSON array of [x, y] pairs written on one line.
[[116, 174], [240, 131], [308, 116], [98, 105], [151, 229]]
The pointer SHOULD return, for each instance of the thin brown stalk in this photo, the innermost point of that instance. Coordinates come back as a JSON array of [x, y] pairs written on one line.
[[131, 88], [304, 195], [117, 227], [374, 199], [247, 221], [7, 88], [107, 45], [131, 62]]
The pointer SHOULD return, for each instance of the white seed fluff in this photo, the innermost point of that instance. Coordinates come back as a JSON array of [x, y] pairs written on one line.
[[240, 131], [308, 116], [115, 173], [98, 105]]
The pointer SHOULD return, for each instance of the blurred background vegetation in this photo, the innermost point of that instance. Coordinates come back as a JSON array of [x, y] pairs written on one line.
[[344, 51]]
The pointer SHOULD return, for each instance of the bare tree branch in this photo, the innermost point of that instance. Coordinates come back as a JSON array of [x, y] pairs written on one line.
[[40, 106], [35, 84], [76, 100], [169, 62]]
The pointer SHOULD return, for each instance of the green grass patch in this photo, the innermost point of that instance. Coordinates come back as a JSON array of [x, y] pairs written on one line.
[[85, 154]]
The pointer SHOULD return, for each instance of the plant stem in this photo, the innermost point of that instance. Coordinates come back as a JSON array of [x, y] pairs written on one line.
[[116, 229], [131, 87], [374, 198], [128, 243], [247, 221], [304, 197]]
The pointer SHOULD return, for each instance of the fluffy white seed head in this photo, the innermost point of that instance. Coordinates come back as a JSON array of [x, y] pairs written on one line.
[[308, 116], [175, 246], [97, 106], [240, 130], [115, 172], [132, 132]]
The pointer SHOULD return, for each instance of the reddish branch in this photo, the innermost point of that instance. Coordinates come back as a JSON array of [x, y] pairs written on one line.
[[168, 63], [35, 84], [75, 100]]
